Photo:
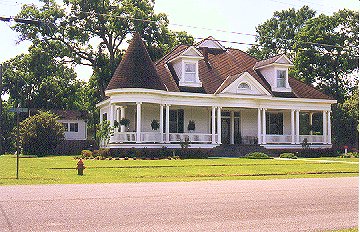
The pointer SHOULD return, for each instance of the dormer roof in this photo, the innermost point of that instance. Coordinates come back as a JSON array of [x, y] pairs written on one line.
[[136, 70], [281, 59], [210, 43]]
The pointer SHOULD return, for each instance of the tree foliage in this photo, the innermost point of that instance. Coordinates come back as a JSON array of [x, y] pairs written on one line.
[[92, 32], [276, 35], [327, 52], [40, 134], [39, 80]]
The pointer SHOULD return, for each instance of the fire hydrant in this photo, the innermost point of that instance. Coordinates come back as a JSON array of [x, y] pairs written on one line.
[[80, 167]]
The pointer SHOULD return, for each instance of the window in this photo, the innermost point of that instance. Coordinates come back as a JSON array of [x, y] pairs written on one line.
[[65, 125], [74, 127], [176, 121], [244, 86], [281, 78], [104, 116], [274, 123], [190, 72]]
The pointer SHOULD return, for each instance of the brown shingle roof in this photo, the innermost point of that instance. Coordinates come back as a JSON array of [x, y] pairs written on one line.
[[136, 70], [267, 61], [303, 90]]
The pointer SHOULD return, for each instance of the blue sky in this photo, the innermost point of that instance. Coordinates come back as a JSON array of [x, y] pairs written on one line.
[[228, 15]]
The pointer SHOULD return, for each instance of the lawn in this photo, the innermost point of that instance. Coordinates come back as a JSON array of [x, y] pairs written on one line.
[[61, 170]]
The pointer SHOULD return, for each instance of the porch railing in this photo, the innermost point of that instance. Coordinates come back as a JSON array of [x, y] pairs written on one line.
[[312, 138], [278, 138], [155, 137], [123, 137], [194, 138]]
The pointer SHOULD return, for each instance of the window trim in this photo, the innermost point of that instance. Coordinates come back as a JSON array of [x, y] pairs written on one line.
[[196, 82], [285, 78]]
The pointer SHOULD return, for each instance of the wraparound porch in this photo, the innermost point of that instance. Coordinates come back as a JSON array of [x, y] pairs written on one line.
[[235, 125]]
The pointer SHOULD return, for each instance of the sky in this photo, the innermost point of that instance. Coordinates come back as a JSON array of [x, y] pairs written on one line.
[[200, 18]]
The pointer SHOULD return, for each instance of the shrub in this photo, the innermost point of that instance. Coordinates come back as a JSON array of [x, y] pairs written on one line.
[[288, 156], [40, 134], [257, 155], [316, 153], [86, 154], [102, 152], [350, 155]]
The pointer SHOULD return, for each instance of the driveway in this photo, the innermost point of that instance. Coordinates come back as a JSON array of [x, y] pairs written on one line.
[[259, 205]]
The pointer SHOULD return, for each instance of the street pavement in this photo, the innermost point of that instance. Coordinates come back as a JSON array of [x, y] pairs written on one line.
[[254, 205]]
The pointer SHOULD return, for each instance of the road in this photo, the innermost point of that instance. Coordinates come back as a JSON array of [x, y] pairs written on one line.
[[259, 205]]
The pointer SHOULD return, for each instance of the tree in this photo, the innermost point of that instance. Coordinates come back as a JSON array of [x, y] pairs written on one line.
[[39, 80], [92, 32], [40, 134], [327, 52], [276, 35]]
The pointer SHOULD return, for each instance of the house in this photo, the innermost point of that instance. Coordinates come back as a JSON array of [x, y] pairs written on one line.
[[212, 95], [74, 122]]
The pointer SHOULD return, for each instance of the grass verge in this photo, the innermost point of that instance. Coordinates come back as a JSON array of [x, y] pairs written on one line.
[[61, 170]]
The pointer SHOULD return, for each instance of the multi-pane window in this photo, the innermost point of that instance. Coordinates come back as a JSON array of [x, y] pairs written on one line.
[[274, 123], [190, 72], [176, 121], [74, 127], [281, 78]]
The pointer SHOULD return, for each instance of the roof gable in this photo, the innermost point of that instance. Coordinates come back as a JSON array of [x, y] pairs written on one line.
[[235, 85], [136, 70], [281, 59], [210, 43]]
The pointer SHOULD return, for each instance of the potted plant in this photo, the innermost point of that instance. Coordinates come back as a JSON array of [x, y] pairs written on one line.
[[155, 124], [124, 122], [191, 125]]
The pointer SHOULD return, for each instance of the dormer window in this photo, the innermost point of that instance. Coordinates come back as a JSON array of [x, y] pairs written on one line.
[[281, 78], [190, 72]]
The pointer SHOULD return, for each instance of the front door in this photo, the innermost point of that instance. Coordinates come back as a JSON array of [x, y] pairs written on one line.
[[225, 130]]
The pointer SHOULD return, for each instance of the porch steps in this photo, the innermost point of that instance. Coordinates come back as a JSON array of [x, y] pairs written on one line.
[[236, 150]]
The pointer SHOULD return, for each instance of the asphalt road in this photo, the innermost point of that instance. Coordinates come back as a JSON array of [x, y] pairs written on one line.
[[269, 205]]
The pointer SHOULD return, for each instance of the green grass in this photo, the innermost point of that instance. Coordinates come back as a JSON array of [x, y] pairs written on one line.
[[345, 230], [61, 170]]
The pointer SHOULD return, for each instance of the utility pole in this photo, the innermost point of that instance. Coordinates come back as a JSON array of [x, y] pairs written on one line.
[[1, 110]]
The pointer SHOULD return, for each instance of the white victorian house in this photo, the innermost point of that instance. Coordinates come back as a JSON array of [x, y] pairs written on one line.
[[212, 95]]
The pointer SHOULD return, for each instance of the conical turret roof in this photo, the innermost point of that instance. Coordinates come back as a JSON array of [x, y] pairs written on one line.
[[136, 70]]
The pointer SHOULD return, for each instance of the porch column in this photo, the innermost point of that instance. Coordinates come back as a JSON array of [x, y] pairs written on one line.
[[329, 127], [138, 122], [161, 123], [292, 127], [167, 124], [122, 115], [213, 125], [111, 114], [324, 127], [219, 125], [232, 127], [297, 121], [259, 125], [263, 126], [311, 122]]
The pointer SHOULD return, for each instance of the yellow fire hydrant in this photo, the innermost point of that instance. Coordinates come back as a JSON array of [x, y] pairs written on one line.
[[80, 167]]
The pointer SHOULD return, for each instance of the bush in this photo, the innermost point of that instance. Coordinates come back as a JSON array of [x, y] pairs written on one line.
[[317, 153], [86, 154], [257, 155], [40, 134], [350, 155], [102, 152], [288, 156]]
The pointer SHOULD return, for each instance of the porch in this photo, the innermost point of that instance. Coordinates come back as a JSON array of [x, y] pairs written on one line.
[[270, 128]]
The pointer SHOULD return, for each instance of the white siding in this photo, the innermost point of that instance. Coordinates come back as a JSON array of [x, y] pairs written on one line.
[[201, 116], [149, 113], [249, 123], [287, 122], [270, 75], [178, 68], [80, 135]]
